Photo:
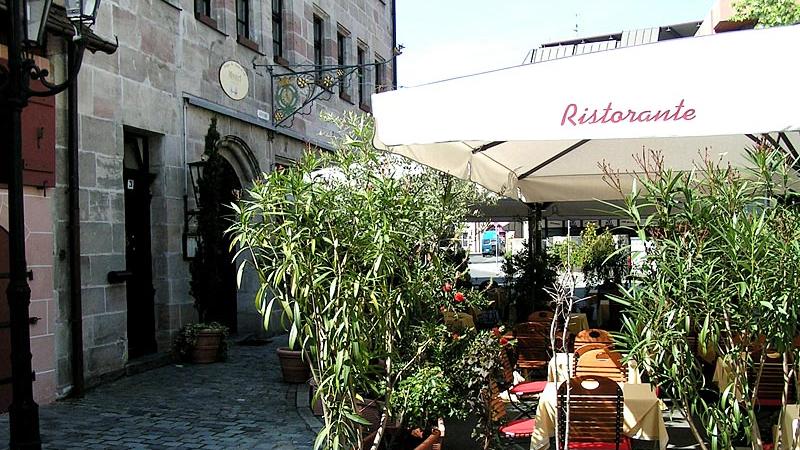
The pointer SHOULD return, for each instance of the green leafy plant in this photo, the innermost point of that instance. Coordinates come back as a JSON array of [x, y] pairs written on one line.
[[528, 275], [352, 246], [602, 262], [768, 13], [425, 396], [722, 265], [185, 340]]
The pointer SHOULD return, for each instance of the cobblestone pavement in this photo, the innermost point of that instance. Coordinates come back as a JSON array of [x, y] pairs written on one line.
[[239, 404]]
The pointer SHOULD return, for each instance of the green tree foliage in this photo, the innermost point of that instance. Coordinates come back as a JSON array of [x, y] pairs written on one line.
[[355, 248], [768, 13], [723, 267], [528, 275]]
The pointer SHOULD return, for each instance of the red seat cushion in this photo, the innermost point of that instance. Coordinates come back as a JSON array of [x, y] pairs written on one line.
[[518, 428], [624, 444], [529, 387]]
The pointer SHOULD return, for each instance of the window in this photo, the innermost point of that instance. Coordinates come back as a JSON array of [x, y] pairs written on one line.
[[319, 55], [341, 60], [277, 29], [202, 7], [380, 74], [243, 18], [362, 78]]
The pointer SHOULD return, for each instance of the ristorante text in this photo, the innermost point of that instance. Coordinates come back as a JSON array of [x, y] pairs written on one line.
[[610, 114]]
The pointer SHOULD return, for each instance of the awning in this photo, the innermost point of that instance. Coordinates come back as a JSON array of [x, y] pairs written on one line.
[[540, 132]]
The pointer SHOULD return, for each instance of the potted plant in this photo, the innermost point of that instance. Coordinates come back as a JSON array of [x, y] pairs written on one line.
[[201, 343], [294, 367]]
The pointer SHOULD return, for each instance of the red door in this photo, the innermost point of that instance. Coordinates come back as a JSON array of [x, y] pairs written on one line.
[[5, 332]]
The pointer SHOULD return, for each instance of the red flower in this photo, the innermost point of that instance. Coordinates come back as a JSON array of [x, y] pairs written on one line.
[[456, 336], [447, 287], [458, 297], [496, 331], [503, 341]]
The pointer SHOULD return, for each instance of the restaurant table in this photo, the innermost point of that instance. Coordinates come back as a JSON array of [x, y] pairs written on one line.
[[641, 417], [790, 427], [559, 368], [577, 323], [458, 320]]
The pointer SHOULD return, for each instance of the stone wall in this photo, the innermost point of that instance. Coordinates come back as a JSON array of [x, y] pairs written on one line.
[[163, 84]]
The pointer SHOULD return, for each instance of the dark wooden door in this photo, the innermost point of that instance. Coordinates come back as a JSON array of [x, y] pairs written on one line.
[[138, 255], [5, 331]]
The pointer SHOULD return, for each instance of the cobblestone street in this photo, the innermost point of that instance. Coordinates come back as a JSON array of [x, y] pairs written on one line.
[[239, 404]]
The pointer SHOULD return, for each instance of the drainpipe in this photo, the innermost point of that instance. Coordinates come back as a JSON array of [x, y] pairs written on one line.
[[394, 43], [74, 227]]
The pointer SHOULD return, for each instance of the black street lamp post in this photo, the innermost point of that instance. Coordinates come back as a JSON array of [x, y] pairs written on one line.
[[26, 23]]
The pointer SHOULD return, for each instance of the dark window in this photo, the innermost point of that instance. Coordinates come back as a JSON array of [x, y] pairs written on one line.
[[243, 18], [341, 60], [319, 55], [362, 78], [380, 73], [202, 7], [277, 28]]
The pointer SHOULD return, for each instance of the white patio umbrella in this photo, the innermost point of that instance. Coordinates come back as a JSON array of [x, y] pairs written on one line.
[[538, 132]]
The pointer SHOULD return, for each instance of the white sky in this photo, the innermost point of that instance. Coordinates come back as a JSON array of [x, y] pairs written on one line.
[[448, 38]]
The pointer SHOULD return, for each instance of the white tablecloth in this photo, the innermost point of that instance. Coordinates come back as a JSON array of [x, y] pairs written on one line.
[[642, 418], [560, 365]]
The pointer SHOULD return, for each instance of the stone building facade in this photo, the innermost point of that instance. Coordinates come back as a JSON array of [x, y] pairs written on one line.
[[144, 112]]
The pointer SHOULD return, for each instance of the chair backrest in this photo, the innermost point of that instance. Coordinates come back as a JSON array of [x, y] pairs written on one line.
[[508, 369], [431, 442], [533, 342], [541, 316], [581, 350], [591, 336], [495, 405], [595, 410], [601, 362], [770, 385]]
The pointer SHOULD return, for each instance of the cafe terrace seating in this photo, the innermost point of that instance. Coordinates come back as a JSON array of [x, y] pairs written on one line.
[[595, 414]]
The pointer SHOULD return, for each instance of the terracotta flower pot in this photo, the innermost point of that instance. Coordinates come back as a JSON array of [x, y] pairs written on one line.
[[295, 369], [206, 348]]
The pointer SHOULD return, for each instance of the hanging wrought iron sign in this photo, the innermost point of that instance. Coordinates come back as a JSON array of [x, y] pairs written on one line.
[[293, 92]]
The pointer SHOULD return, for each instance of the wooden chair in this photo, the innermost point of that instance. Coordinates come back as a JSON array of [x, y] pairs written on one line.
[[595, 414], [541, 316], [770, 386], [601, 362], [517, 432], [580, 351], [533, 344], [527, 391], [592, 336]]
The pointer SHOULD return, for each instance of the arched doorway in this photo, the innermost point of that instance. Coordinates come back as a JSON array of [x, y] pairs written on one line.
[[213, 282], [5, 331], [225, 311]]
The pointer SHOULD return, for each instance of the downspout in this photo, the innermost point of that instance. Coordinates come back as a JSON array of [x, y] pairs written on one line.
[[73, 189], [394, 43]]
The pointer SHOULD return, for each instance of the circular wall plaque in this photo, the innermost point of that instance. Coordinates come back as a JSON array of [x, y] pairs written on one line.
[[233, 79]]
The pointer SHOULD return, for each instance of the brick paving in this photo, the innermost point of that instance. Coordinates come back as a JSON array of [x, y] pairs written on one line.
[[238, 404]]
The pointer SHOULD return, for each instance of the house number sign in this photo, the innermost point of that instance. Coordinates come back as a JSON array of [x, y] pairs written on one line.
[[233, 79]]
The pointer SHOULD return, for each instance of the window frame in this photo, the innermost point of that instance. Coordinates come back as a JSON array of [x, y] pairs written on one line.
[[243, 24], [203, 10], [342, 40], [361, 59], [318, 41], [278, 33], [380, 73]]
